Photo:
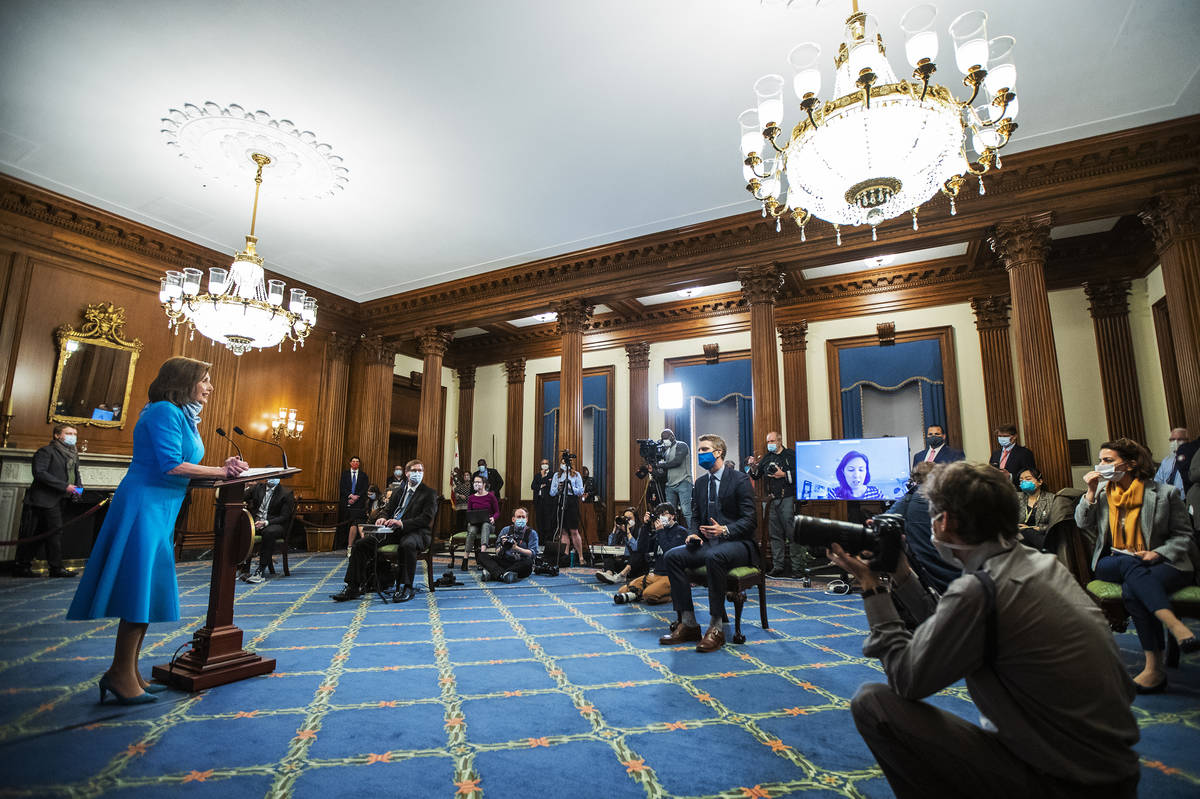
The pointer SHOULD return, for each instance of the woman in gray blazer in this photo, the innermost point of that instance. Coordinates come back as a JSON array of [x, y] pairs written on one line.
[[1143, 541]]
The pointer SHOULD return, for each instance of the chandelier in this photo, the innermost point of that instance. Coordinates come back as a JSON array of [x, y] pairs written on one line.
[[239, 310], [882, 147]]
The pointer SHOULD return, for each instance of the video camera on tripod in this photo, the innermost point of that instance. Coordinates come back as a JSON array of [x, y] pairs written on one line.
[[652, 451]]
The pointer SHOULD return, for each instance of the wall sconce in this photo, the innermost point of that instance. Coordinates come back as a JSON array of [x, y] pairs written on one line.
[[286, 424]]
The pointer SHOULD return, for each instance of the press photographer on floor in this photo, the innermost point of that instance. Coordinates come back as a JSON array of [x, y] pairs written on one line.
[[516, 549], [657, 538], [1038, 658]]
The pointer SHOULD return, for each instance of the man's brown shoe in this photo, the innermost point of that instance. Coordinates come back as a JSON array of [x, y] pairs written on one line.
[[713, 640], [680, 635]]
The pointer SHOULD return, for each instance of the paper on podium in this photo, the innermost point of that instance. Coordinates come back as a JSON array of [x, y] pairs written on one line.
[[257, 470]]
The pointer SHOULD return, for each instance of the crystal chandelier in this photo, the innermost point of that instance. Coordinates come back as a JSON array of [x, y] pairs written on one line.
[[239, 310], [883, 146]]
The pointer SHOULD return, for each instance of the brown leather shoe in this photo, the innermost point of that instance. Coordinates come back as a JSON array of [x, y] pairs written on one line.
[[713, 640], [680, 635]]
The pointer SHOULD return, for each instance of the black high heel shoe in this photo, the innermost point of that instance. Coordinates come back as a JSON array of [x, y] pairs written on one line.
[[1189, 645], [106, 687]]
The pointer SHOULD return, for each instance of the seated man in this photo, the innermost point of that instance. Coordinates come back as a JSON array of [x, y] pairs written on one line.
[[516, 549], [664, 535], [1038, 658], [272, 505], [721, 538], [409, 514]]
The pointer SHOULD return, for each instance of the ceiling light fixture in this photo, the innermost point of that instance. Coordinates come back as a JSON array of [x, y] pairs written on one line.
[[692, 292], [879, 260], [882, 147], [238, 310]]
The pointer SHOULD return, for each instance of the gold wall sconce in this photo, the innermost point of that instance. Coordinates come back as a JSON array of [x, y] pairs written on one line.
[[286, 424]]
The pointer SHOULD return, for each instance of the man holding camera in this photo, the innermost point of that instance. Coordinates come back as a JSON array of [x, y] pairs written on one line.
[[725, 498], [1038, 658], [661, 536], [517, 547], [677, 488], [778, 469]]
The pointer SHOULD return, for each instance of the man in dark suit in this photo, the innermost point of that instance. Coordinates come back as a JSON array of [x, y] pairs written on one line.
[[1011, 457], [272, 505], [495, 481], [936, 449], [721, 537], [352, 504], [409, 514], [55, 480]]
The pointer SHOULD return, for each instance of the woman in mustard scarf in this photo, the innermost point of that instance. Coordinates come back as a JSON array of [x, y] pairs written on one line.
[[1143, 541]]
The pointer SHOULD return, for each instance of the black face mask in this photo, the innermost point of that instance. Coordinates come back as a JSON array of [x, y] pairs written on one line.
[[935, 441]]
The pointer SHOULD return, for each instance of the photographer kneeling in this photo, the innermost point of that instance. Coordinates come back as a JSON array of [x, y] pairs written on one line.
[[655, 541], [1036, 653], [516, 549]]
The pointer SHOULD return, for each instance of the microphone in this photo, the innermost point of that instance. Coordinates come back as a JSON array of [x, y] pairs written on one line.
[[242, 433], [225, 436]]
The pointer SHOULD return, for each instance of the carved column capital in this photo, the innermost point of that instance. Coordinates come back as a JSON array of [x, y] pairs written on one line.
[[760, 284], [1022, 241], [466, 377], [516, 370], [1107, 297], [573, 316], [794, 337], [339, 347], [1172, 215], [433, 342], [638, 354], [991, 312], [377, 350]]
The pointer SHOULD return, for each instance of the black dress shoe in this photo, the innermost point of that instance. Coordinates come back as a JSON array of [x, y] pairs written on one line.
[[1189, 645], [61, 572], [345, 595], [404, 594]]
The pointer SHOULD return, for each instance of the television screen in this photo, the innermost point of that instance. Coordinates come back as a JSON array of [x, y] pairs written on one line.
[[852, 468]]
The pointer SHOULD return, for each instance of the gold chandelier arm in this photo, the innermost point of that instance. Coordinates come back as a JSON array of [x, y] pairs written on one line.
[[261, 160]]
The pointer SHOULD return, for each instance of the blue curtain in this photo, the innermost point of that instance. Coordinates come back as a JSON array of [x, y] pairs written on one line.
[[712, 383], [745, 414], [595, 397], [891, 369]]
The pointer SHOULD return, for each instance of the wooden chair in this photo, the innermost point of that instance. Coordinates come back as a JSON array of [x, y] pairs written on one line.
[[1185, 603], [392, 552], [282, 545], [739, 580]]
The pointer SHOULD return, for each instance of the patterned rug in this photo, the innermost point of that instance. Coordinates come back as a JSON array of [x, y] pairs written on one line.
[[544, 687]]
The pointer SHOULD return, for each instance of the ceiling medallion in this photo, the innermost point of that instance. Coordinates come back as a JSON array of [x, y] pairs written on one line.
[[218, 140], [882, 146]]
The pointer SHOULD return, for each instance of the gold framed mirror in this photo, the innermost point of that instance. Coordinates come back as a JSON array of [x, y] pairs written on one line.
[[95, 370]]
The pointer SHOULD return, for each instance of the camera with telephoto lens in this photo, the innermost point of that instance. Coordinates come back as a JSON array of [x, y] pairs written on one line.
[[881, 535]]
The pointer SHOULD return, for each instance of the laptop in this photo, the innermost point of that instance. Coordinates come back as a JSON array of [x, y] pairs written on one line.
[[478, 516]]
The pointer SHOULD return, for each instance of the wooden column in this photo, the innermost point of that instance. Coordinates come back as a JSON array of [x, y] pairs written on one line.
[[999, 391], [1166, 359], [1022, 245], [514, 437], [639, 403], [432, 345], [466, 413], [1174, 220], [573, 316], [1108, 302], [369, 411], [331, 425], [760, 287], [793, 340]]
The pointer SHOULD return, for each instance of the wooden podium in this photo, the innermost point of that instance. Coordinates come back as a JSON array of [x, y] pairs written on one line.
[[217, 656]]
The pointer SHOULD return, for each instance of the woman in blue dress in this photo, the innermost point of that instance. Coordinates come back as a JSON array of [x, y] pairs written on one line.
[[130, 574]]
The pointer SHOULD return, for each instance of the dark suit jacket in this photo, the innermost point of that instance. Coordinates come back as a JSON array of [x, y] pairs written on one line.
[[947, 454], [418, 516], [494, 480], [50, 478], [734, 507], [281, 508], [344, 491], [1020, 459]]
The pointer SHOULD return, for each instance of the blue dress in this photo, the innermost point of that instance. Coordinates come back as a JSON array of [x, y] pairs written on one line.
[[131, 571]]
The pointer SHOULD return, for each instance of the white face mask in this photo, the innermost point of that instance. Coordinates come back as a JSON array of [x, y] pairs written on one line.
[[666, 442], [1174, 445], [948, 552], [665, 521], [1110, 472]]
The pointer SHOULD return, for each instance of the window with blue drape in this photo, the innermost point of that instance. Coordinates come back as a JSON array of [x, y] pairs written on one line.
[[595, 397], [713, 383], [889, 369]]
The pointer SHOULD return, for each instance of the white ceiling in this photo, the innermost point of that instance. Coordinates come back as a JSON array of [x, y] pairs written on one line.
[[485, 133]]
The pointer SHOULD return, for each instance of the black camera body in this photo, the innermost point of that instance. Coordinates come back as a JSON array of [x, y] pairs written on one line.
[[545, 568], [882, 535], [567, 456], [507, 543], [650, 449]]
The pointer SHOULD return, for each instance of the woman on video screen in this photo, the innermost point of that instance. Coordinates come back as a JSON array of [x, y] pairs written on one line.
[[854, 478]]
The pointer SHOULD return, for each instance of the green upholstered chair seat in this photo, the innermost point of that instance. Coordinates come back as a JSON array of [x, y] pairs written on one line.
[[458, 538], [1188, 594], [1104, 590], [258, 539], [389, 549], [737, 573], [700, 572]]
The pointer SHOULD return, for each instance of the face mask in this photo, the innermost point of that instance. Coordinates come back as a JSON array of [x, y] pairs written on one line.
[[274, 481], [947, 552], [399, 473], [706, 460], [372, 496], [478, 487], [482, 467], [666, 442], [414, 477], [747, 468], [545, 467], [935, 441], [1028, 486], [518, 523], [69, 440], [1174, 445], [1003, 441], [772, 447], [664, 520], [1110, 472]]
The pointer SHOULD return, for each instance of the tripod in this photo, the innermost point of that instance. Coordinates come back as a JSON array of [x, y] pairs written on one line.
[[566, 494]]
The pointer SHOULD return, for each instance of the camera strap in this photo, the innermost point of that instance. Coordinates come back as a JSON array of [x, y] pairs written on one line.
[[989, 618]]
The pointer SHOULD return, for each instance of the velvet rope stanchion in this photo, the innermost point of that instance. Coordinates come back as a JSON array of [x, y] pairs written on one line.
[[60, 528]]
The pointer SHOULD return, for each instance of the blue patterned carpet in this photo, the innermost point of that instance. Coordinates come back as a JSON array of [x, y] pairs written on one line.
[[540, 688]]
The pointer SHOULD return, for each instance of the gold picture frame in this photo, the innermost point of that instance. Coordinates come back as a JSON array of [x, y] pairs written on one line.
[[94, 375]]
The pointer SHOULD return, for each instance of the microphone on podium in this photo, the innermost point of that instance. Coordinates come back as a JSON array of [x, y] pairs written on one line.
[[242, 433], [225, 436]]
